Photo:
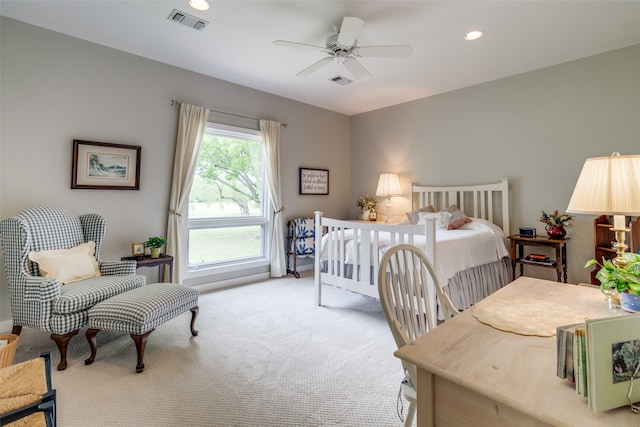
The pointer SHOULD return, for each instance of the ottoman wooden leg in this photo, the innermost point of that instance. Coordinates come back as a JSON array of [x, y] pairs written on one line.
[[194, 314], [91, 338], [141, 344]]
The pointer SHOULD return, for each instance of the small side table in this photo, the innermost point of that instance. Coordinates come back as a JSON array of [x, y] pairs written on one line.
[[559, 263], [147, 261]]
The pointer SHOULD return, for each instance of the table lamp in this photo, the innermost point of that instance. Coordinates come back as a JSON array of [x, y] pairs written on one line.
[[609, 186], [388, 186]]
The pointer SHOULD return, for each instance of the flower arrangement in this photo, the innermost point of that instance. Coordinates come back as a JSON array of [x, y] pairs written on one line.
[[367, 202], [624, 279], [563, 220]]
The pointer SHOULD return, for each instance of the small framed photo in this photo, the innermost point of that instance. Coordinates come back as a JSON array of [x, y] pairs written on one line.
[[314, 181], [105, 166], [137, 249]]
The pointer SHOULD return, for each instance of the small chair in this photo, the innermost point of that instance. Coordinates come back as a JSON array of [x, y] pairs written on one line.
[[41, 302], [26, 396], [300, 241], [410, 294]]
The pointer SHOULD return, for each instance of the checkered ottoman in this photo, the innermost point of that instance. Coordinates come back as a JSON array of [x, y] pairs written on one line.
[[138, 312]]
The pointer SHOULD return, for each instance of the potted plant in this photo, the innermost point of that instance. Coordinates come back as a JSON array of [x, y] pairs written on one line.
[[555, 224], [623, 279], [367, 204], [155, 243]]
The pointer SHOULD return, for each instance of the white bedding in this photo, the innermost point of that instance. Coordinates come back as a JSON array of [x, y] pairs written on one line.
[[476, 243]]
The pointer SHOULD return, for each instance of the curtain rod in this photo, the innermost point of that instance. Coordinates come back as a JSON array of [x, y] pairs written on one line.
[[174, 103]]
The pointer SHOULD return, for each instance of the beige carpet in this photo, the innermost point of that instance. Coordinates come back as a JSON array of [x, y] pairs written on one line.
[[265, 356]]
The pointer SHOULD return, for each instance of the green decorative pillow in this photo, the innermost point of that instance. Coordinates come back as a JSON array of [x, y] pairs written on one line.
[[68, 265], [413, 216]]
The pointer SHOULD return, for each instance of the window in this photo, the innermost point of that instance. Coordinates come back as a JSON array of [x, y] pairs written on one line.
[[227, 203]]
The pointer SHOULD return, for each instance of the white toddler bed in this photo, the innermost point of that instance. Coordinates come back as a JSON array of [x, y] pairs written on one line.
[[472, 261]]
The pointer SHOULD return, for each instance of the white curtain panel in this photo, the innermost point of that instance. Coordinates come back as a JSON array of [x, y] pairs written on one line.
[[270, 131], [191, 129]]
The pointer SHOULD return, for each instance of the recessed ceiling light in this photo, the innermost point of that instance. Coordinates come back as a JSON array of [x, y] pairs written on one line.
[[474, 35], [199, 4]]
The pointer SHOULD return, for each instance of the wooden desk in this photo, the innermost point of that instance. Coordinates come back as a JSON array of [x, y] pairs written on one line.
[[472, 374], [559, 263], [147, 261]]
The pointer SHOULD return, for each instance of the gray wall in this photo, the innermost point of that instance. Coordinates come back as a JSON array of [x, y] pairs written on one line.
[[56, 88], [536, 129]]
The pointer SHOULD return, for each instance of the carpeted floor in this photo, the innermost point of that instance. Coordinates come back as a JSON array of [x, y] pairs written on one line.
[[265, 356]]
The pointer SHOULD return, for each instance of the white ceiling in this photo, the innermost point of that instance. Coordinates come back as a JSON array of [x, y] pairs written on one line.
[[237, 45]]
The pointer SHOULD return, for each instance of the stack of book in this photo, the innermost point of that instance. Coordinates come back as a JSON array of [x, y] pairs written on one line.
[[601, 357], [539, 259]]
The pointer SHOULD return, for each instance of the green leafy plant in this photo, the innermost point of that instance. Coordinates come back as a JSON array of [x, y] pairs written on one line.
[[367, 202], [155, 242], [563, 220], [624, 279]]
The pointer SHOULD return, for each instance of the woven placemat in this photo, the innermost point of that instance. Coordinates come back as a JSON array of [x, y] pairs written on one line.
[[525, 316]]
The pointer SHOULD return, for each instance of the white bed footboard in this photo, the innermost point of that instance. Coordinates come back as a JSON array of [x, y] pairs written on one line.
[[364, 254]]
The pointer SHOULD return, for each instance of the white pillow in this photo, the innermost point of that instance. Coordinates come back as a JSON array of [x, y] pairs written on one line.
[[68, 265], [441, 218]]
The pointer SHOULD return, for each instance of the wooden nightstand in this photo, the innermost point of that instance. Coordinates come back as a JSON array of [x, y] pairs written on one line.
[[559, 263]]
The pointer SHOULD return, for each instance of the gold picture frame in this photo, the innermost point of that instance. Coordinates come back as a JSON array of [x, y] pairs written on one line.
[[137, 249]]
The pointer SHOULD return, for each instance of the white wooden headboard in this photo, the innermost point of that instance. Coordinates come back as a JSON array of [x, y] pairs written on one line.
[[487, 201]]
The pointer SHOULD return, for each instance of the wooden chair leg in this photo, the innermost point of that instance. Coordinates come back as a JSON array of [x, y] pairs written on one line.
[[194, 314], [62, 341], [141, 344], [91, 338]]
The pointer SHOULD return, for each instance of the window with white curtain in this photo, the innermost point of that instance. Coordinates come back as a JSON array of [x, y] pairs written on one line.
[[227, 215]]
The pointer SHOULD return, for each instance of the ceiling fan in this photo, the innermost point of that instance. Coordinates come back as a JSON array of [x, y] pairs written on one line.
[[343, 48]]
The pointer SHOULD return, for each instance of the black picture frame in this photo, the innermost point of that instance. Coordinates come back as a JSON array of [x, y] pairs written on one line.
[[313, 181], [105, 166]]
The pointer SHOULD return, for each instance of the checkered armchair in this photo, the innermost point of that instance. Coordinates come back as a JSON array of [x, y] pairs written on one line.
[[42, 302]]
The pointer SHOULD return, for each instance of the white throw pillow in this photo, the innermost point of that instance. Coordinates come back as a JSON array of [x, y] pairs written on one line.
[[68, 265], [442, 218]]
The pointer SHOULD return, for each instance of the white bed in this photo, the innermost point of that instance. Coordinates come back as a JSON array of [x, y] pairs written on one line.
[[472, 261]]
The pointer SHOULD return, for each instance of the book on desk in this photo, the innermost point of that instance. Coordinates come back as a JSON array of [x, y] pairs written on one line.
[[601, 357]]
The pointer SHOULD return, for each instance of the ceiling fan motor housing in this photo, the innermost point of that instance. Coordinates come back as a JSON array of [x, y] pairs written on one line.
[[338, 49]]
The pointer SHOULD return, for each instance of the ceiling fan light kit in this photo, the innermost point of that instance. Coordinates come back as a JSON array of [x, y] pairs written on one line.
[[342, 47]]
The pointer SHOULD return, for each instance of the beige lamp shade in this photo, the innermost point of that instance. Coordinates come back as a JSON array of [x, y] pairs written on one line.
[[388, 185], [608, 186]]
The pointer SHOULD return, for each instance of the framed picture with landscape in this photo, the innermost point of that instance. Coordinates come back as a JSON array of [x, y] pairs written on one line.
[[105, 166]]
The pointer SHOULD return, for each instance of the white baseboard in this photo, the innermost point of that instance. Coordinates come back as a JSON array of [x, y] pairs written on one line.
[[231, 283], [6, 326]]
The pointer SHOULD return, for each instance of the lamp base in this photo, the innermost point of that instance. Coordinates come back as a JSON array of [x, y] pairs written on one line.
[[621, 247], [389, 207]]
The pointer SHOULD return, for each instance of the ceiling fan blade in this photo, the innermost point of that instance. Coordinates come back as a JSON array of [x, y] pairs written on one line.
[[383, 51], [356, 69], [349, 30], [302, 45], [314, 67]]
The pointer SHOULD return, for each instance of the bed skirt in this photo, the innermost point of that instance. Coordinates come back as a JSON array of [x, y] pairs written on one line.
[[470, 286], [466, 287]]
